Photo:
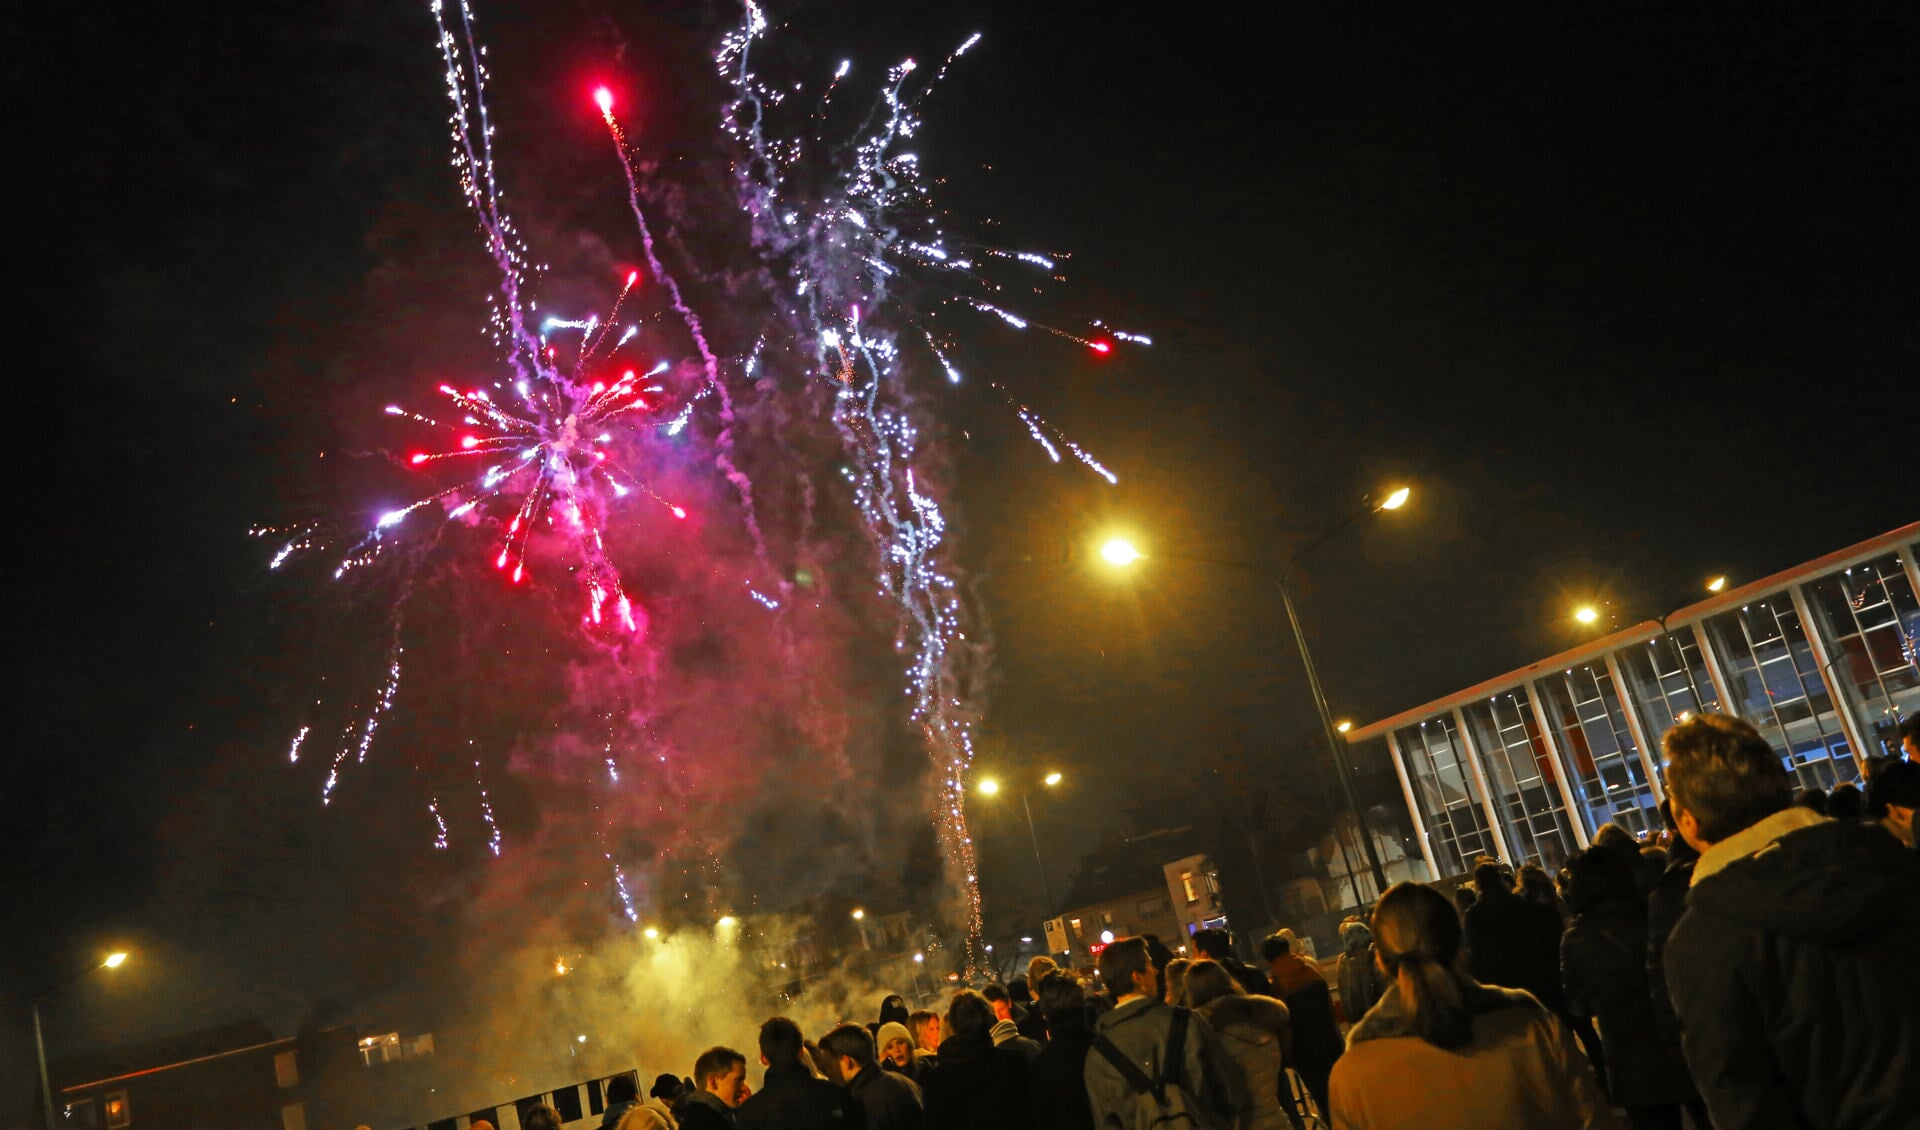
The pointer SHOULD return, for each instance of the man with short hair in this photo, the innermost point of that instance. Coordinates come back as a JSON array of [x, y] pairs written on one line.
[[1139, 1028], [976, 1085], [540, 1117], [623, 1094], [1791, 970], [720, 1082], [1218, 945], [889, 1101], [792, 1097], [1006, 1022], [1060, 1072], [1892, 796]]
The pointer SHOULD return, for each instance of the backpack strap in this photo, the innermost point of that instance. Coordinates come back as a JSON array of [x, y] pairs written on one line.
[[1173, 1064], [1129, 1070]]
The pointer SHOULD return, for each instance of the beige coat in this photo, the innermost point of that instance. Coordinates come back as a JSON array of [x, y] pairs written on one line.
[[1253, 1031], [1521, 1071]]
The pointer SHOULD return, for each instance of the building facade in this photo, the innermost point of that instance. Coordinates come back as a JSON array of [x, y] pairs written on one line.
[[1527, 766]]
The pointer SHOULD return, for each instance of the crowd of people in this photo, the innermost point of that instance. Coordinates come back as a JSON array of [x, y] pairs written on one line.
[[1751, 968]]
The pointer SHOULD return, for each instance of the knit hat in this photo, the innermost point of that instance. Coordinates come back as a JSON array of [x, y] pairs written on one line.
[[889, 1032]]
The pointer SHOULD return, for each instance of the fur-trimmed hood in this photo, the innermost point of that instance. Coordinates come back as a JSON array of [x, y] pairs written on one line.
[[1387, 1019], [1246, 1011]]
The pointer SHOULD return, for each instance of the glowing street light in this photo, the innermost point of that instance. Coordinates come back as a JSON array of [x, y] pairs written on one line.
[[115, 960], [859, 914], [989, 787], [1051, 779], [1716, 584], [1344, 726], [651, 932], [727, 922], [1120, 552], [1396, 499], [1586, 614]]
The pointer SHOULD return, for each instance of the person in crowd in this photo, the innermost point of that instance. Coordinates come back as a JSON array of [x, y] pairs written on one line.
[[1464, 896], [1140, 1028], [1359, 978], [793, 1097], [1846, 802], [887, 1100], [1059, 1074], [1218, 945], [1158, 951], [1253, 1032], [899, 1054], [1665, 904], [1892, 796], [1299, 946], [540, 1117], [1811, 799], [623, 1094], [1006, 1022], [664, 1095], [1511, 942], [720, 1085], [1532, 883], [1791, 969], [976, 1085], [1027, 1015], [893, 1008], [1316, 1034], [1603, 964], [1173, 981], [1441, 1051], [1037, 969], [1907, 738], [926, 1028]]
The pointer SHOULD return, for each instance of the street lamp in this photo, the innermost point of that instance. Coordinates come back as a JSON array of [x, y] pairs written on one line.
[[1586, 614], [113, 960], [1121, 553], [988, 786]]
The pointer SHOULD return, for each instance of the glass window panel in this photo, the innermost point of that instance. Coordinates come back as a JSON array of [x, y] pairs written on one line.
[[1450, 802], [1522, 777], [1667, 677], [1870, 618], [1609, 780], [1775, 683]]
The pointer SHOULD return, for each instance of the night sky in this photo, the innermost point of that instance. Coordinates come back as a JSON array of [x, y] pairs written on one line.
[[1625, 293]]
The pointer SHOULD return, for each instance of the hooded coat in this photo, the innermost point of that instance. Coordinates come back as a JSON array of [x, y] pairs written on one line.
[[1359, 980], [1140, 1029], [1253, 1032], [1792, 972], [1603, 962], [1521, 1070]]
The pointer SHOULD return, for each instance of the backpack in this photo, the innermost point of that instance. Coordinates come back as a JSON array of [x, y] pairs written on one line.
[[1163, 1102]]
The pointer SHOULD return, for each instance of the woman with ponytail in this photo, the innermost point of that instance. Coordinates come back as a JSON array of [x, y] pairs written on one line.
[[1440, 1051]]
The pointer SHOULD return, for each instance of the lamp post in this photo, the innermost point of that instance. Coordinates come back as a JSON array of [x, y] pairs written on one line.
[[1587, 615], [1122, 553], [989, 786], [113, 961]]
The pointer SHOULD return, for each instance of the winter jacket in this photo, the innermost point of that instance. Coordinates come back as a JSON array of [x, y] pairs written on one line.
[[889, 1101], [615, 1112], [1603, 965], [793, 1098], [1793, 974], [1251, 979], [1140, 1029], [1520, 1071], [1006, 1034], [976, 1086], [1515, 944], [1060, 1080], [1253, 1032], [1315, 1033], [1665, 904], [703, 1110], [1359, 982]]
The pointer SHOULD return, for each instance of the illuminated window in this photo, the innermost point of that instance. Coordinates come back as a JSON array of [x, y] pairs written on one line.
[[286, 1070], [1448, 794], [293, 1117], [1871, 620], [380, 1049], [81, 1115], [1186, 884], [118, 1112], [1075, 923], [1523, 778], [1776, 684], [1590, 727]]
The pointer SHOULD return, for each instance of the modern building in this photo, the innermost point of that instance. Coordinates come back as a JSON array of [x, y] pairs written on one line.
[[1821, 658]]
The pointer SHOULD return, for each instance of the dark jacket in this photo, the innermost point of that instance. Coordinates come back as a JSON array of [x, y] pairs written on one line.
[[1793, 975], [615, 1112], [1603, 964], [1251, 979], [1316, 1035], [1060, 1080], [1665, 904], [976, 1086], [1516, 944], [1140, 1029], [889, 1100], [702, 1110], [794, 1099]]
